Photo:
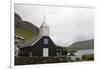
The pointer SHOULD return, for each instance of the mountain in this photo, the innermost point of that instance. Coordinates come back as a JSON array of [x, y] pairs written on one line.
[[24, 28], [87, 44]]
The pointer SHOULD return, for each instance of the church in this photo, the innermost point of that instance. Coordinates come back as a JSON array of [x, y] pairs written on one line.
[[41, 45]]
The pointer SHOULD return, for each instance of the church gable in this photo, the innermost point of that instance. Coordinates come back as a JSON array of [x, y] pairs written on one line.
[[45, 41]]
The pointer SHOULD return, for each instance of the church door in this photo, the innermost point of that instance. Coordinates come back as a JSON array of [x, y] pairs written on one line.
[[45, 52]]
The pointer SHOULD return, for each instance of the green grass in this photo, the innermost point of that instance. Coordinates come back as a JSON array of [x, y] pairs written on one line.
[[27, 34]]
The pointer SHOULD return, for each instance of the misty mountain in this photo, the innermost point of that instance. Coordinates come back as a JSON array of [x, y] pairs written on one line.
[[87, 44]]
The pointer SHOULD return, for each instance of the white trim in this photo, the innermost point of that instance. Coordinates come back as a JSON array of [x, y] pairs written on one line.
[[17, 36]]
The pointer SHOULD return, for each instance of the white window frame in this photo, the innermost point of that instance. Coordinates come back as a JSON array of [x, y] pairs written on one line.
[[45, 41]]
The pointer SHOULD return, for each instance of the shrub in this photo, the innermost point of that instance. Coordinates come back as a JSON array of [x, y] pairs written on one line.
[[88, 57]]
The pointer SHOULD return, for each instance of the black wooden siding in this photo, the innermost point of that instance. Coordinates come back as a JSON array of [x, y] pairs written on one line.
[[37, 48], [25, 51]]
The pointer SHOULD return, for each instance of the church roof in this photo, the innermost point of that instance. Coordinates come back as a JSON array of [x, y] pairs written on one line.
[[31, 41]]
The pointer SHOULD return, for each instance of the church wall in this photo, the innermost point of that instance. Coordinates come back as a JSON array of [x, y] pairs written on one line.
[[38, 47]]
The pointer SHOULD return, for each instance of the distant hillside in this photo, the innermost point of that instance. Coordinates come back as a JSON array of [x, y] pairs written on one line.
[[25, 28], [87, 44]]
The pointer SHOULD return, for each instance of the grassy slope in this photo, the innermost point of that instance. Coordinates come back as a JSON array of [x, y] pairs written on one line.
[[27, 34], [23, 32]]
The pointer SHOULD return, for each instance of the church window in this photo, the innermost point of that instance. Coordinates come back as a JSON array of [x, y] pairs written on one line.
[[60, 53], [45, 41], [57, 53]]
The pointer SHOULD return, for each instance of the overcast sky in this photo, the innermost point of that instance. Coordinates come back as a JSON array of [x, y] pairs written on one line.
[[67, 25]]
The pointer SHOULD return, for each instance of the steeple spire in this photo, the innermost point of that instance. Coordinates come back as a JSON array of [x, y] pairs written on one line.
[[44, 29], [44, 22]]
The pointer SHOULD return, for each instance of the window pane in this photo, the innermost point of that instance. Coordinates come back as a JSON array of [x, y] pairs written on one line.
[[45, 41]]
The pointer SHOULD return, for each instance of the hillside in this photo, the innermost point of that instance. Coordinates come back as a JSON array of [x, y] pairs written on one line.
[[87, 44], [24, 28]]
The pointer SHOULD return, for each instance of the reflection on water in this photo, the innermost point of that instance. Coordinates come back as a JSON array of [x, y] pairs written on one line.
[[79, 53]]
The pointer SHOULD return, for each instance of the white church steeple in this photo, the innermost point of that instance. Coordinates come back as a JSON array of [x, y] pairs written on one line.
[[44, 29]]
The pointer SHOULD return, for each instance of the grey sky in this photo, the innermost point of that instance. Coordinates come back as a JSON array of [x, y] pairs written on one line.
[[67, 25]]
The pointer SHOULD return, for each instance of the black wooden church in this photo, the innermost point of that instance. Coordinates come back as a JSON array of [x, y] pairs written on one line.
[[41, 45]]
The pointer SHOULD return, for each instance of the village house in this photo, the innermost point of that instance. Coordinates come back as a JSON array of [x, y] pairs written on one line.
[[18, 43]]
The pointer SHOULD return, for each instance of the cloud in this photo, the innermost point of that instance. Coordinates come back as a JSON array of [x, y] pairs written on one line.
[[67, 25]]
